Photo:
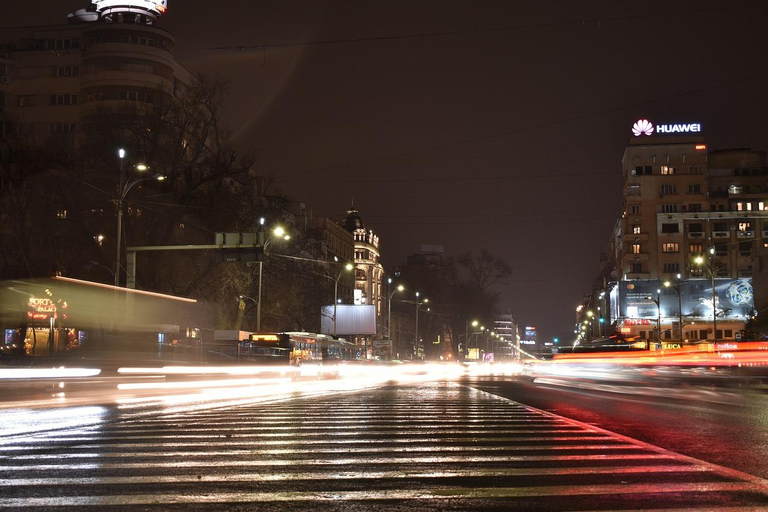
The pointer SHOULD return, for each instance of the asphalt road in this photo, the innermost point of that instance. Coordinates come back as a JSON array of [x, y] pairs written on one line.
[[722, 424], [418, 444]]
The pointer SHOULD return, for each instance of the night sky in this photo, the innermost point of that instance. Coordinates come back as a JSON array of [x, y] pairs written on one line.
[[497, 125]]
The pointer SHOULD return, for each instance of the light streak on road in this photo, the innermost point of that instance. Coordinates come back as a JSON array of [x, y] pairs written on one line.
[[47, 373]]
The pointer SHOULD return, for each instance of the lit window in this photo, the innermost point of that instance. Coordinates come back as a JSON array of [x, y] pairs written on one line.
[[745, 226], [665, 169], [696, 248], [635, 248], [670, 247], [62, 214], [636, 230], [99, 239]]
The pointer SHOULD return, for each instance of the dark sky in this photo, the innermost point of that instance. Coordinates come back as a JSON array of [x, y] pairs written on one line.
[[483, 124]]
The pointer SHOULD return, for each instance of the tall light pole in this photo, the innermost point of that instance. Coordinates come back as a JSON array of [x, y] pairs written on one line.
[[400, 288], [466, 335], [241, 306], [346, 268], [280, 233], [700, 261], [676, 287], [123, 188], [656, 301], [418, 306]]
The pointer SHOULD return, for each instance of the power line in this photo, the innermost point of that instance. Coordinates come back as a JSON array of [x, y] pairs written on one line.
[[422, 35]]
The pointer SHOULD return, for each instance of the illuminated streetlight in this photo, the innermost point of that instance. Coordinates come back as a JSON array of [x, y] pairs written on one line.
[[700, 261], [400, 288], [123, 188], [280, 233], [418, 306], [656, 301], [346, 268]]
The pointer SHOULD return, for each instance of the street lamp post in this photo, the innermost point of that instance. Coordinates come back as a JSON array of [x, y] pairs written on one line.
[[700, 261], [123, 188], [241, 304], [346, 268], [676, 287], [466, 335], [656, 301], [280, 233], [400, 288], [418, 306]]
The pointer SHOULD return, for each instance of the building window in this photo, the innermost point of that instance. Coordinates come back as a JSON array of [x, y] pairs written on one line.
[[720, 226], [721, 249], [665, 169], [61, 71], [136, 96], [669, 189], [25, 101], [635, 248], [696, 227], [637, 268], [636, 230], [62, 127], [634, 209], [745, 226], [63, 99], [745, 248], [671, 268], [694, 188], [62, 214], [695, 207], [696, 248], [670, 247], [669, 208], [670, 228]]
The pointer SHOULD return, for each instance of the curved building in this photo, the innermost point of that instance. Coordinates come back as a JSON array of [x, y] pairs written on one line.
[[106, 57], [369, 272]]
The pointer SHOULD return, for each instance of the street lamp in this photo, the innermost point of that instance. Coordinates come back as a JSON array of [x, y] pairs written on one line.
[[676, 287], [241, 298], [466, 334], [656, 301], [123, 188], [346, 268], [400, 288], [700, 261], [418, 306], [280, 233]]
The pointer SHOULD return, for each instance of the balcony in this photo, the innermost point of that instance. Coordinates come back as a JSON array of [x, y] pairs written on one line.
[[745, 234], [721, 234], [695, 234]]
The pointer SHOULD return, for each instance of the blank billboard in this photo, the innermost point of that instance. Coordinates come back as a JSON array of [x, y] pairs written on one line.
[[350, 319]]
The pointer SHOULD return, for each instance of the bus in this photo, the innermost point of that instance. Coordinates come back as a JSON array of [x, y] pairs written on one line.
[[313, 353]]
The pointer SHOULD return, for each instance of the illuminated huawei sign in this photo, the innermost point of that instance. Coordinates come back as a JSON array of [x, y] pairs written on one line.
[[645, 127], [642, 127]]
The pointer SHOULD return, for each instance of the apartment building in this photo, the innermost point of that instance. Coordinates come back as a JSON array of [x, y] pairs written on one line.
[[682, 255], [52, 78]]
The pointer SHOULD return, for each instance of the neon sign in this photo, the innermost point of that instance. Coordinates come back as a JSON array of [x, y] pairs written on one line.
[[645, 127]]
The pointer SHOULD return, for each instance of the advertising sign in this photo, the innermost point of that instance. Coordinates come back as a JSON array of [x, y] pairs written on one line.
[[155, 6], [734, 299], [645, 127], [349, 319]]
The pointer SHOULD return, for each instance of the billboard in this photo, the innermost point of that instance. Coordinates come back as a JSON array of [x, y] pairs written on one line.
[[155, 6], [350, 319], [734, 298]]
